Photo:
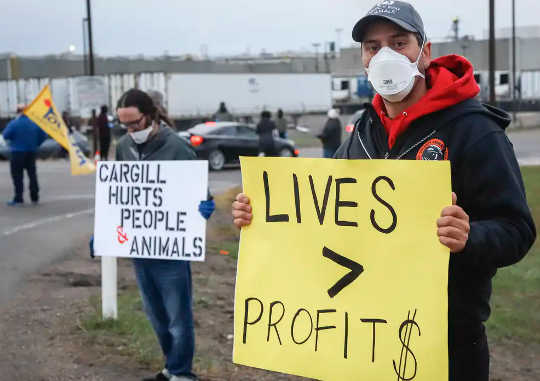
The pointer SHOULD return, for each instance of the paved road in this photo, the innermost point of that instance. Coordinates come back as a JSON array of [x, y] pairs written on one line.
[[527, 146], [33, 237]]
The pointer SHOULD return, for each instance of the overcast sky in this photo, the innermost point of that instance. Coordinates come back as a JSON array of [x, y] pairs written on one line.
[[151, 27]]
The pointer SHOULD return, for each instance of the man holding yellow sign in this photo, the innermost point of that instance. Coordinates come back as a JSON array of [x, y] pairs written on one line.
[[424, 110]]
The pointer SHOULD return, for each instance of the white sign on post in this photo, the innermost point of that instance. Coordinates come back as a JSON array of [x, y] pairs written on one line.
[[149, 209]]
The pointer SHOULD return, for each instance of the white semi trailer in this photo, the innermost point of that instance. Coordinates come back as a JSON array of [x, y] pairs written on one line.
[[188, 96]]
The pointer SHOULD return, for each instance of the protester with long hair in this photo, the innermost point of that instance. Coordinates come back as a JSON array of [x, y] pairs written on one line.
[[164, 285]]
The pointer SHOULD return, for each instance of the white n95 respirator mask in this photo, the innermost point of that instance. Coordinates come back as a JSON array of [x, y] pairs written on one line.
[[140, 137], [392, 75]]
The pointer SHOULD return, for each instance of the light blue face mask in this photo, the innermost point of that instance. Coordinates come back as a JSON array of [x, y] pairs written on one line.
[[392, 74]]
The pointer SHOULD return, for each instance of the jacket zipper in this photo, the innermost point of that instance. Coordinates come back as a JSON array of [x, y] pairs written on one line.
[[363, 146], [416, 144]]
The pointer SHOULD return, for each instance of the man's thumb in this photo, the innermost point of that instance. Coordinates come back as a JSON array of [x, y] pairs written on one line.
[[454, 198]]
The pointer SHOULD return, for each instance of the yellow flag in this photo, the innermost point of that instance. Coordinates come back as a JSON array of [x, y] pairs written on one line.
[[80, 165], [43, 112]]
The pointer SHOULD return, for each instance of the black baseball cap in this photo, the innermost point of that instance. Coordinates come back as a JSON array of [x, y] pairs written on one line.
[[399, 12]]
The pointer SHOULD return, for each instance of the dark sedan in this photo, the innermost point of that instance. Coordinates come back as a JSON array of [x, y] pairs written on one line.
[[222, 143]]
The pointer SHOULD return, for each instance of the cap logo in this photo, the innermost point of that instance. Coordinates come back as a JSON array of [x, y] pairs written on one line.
[[384, 7]]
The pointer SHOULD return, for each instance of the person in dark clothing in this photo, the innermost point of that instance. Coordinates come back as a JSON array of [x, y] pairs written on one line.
[[24, 138], [331, 134], [67, 121], [426, 110], [222, 114], [104, 133], [281, 124], [265, 130], [165, 285]]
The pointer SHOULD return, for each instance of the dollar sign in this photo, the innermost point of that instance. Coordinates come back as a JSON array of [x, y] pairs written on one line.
[[405, 338]]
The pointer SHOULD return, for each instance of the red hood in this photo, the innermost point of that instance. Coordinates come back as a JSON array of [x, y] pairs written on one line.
[[450, 80]]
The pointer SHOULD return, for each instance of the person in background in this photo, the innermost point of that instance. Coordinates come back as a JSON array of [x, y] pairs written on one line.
[[265, 130], [222, 114], [281, 124], [24, 138], [104, 132], [67, 121], [331, 134], [164, 285]]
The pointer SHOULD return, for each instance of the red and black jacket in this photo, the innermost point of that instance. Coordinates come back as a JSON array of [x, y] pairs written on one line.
[[486, 178]]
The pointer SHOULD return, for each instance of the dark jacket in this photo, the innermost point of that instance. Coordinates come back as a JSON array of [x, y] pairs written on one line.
[[166, 145], [488, 184], [24, 135], [265, 129], [104, 130], [331, 134]]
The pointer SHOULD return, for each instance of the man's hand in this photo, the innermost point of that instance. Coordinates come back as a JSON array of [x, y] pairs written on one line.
[[453, 227], [241, 210]]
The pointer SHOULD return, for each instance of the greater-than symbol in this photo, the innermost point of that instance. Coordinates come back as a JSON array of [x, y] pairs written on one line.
[[356, 270]]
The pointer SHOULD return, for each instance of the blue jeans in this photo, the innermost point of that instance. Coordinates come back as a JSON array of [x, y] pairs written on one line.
[[165, 288]]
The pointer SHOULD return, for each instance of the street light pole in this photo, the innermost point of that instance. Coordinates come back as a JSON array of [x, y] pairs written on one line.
[[316, 46], [85, 46], [90, 44]]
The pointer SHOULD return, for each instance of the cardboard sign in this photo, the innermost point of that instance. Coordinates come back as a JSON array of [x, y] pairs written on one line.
[[149, 209], [341, 275]]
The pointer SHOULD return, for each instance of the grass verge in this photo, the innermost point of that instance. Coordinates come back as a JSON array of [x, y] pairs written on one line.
[[516, 289]]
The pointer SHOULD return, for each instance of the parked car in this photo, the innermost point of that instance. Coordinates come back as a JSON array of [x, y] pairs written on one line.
[[222, 143], [354, 118], [49, 148]]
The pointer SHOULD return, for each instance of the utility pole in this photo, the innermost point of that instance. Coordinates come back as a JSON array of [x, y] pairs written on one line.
[[492, 52], [90, 44], [92, 72], [455, 28], [514, 53]]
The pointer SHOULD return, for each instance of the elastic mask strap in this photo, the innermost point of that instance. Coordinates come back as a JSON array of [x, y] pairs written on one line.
[[418, 58]]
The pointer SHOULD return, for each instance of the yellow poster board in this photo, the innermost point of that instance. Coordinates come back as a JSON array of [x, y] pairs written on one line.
[[43, 112], [341, 275]]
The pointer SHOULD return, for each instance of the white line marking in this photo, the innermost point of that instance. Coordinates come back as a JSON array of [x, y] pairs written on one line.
[[70, 197], [47, 220]]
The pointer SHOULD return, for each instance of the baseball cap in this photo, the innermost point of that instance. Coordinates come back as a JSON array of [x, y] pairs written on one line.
[[399, 12]]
